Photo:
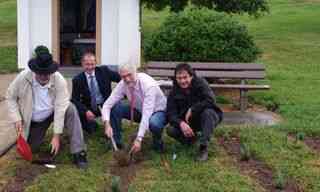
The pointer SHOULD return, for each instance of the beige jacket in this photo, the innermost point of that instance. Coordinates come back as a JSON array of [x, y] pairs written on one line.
[[19, 100]]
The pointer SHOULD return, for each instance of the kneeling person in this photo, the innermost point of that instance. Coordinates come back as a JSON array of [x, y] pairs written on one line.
[[39, 97], [90, 89], [147, 105], [191, 108]]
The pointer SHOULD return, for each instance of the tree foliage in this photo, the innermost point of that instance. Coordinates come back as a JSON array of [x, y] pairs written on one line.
[[252, 7]]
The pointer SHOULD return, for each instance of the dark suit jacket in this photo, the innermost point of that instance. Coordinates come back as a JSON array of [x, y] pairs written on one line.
[[200, 97], [80, 89]]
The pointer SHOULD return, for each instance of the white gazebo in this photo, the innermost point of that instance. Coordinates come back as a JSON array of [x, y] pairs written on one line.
[[110, 27]]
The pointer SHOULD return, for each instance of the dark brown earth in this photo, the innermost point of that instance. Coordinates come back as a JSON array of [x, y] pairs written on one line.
[[126, 168], [313, 143], [255, 169], [25, 174]]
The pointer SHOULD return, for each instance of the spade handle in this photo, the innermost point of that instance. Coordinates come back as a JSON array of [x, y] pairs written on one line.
[[114, 144]]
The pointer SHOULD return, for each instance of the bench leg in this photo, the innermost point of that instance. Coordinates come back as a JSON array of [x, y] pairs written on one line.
[[243, 100]]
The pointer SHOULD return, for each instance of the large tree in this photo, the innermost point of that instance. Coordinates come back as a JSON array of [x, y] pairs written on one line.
[[252, 7]]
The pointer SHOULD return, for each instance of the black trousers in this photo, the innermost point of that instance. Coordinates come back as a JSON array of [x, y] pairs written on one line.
[[72, 128], [90, 126], [205, 122]]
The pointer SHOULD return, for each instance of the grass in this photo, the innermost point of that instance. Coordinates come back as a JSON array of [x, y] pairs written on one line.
[[69, 178], [183, 174], [289, 39], [8, 36]]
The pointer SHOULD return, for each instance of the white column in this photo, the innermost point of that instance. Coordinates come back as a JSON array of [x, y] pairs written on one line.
[[109, 32], [40, 23], [129, 32], [23, 40]]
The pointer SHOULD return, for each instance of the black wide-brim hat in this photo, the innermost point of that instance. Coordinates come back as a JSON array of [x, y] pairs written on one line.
[[43, 64]]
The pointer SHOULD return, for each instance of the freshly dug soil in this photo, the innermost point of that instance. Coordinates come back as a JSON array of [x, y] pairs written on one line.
[[25, 174], [122, 158], [256, 169], [313, 143]]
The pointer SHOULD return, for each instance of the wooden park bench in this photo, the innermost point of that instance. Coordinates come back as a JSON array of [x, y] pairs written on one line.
[[238, 75]]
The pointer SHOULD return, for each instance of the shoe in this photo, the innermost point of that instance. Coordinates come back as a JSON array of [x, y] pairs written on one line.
[[80, 159], [202, 154]]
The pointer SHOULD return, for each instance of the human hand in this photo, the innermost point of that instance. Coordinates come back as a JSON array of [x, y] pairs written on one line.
[[186, 129], [19, 127], [136, 147], [188, 115], [90, 116], [108, 129], [55, 144]]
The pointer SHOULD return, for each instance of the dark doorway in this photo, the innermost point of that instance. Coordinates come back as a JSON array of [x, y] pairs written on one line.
[[77, 30]]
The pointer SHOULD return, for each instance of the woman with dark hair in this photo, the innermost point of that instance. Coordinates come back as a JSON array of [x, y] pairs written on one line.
[[191, 108]]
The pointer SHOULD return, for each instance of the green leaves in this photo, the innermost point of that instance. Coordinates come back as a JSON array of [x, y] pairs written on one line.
[[201, 35], [252, 7]]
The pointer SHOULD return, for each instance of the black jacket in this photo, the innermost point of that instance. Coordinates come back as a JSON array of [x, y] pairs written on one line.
[[80, 89], [199, 98]]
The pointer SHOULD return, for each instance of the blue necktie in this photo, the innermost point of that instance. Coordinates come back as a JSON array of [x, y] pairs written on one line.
[[93, 93]]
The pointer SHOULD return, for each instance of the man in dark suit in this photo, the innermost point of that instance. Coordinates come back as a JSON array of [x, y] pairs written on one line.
[[90, 89]]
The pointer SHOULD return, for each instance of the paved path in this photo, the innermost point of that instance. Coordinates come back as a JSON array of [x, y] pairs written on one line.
[[7, 131]]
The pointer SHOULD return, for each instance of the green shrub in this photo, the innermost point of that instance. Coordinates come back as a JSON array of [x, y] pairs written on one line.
[[201, 35]]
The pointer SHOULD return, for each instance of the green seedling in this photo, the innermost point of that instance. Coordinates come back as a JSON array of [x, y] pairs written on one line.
[[245, 153], [300, 136], [115, 184], [280, 181]]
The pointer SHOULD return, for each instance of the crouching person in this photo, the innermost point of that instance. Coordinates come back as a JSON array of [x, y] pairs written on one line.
[[191, 109], [146, 104], [39, 96]]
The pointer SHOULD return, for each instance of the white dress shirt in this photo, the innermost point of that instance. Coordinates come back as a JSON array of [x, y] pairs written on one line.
[[99, 98], [149, 99], [42, 106]]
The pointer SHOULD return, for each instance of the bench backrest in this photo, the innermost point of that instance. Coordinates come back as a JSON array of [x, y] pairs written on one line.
[[210, 70]]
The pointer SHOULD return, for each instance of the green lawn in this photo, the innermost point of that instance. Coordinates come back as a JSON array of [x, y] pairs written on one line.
[[289, 39], [8, 36]]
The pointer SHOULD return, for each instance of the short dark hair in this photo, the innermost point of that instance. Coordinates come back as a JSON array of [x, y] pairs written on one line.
[[184, 67], [87, 53]]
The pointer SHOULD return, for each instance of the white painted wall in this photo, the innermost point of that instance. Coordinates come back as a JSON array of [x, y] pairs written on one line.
[[109, 32], [120, 32], [23, 30], [40, 23], [129, 34], [34, 28]]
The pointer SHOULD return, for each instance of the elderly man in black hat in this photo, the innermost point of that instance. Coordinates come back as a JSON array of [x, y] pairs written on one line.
[[39, 96]]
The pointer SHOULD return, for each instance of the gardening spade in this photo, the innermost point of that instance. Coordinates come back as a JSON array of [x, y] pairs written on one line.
[[47, 162], [24, 149], [121, 156]]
